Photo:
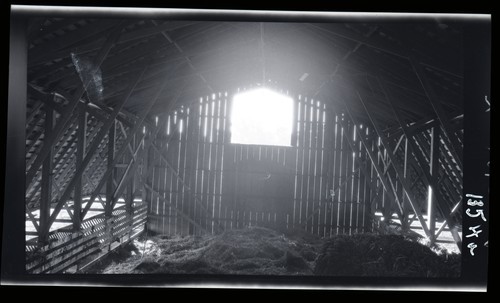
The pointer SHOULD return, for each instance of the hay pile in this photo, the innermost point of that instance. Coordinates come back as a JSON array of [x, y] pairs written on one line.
[[262, 251], [383, 256], [251, 251]]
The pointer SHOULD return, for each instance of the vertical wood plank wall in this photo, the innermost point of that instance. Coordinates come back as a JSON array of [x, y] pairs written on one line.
[[208, 185]]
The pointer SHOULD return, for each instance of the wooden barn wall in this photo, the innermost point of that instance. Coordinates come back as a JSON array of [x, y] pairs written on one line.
[[203, 183]]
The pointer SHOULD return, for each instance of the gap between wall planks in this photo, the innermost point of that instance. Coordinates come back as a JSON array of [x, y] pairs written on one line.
[[253, 185]]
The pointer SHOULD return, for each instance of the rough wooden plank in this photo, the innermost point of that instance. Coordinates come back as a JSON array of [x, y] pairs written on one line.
[[322, 170], [178, 211], [314, 164], [80, 152], [310, 136], [399, 172], [426, 176], [71, 252], [438, 109], [190, 165], [184, 172], [305, 161], [68, 111], [45, 50], [218, 157], [182, 182], [212, 159], [46, 182], [120, 152]]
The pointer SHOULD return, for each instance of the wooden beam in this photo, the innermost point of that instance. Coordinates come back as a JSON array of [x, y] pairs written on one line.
[[351, 175], [35, 110], [186, 58], [93, 186], [80, 152], [343, 61], [438, 109], [121, 68], [126, 37], [428, 179], [124, 133], [400, 140], [92, 149], [46, 99], [397, 168], [68, 110], [137, 127], [40, 52], [373, 159], [394, 151], [174, 172], [434, 170], [129, 199], [91, 108], [33, 220], [389, 48], [413, 128], [119, 61], [147, 169], [30, 130], [109, 180], [134, 164], [129, 173], [405, 225], [426, 176], [47, 175], [95, 108], [445, 223], [180, 212]]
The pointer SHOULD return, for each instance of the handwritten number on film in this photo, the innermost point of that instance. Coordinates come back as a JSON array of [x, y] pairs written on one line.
[[474, 201]]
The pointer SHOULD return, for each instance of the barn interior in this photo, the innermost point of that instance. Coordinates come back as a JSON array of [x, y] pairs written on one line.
[[191, 128]]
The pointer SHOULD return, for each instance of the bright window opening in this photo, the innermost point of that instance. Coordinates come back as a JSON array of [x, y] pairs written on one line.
[[262, 117]]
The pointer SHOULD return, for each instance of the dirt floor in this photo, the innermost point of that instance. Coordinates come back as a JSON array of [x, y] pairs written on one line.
[[262, 251]]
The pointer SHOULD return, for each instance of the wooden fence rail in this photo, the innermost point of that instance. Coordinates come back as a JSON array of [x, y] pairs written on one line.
[[97, 237]]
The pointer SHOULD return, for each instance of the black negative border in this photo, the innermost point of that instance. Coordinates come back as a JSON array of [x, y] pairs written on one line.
[[477, 49]]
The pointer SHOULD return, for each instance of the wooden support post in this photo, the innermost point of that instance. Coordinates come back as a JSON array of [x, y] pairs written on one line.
[[80, 153], [137, 127], [97, 110], [405, 225], [147, 166], [92, 149], [373, 159], [440, 112], [378, 170], [186, 58], [129, 201], [445, 224], [413, 149], [49, 141], [178, 211], [184, 184], [90, 153], [46, 190], [111, 177], [122, 129], [434, 170], [397, 168], [34, 111]]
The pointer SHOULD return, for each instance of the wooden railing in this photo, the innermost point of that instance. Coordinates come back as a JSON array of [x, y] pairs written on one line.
[[76, 250]]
